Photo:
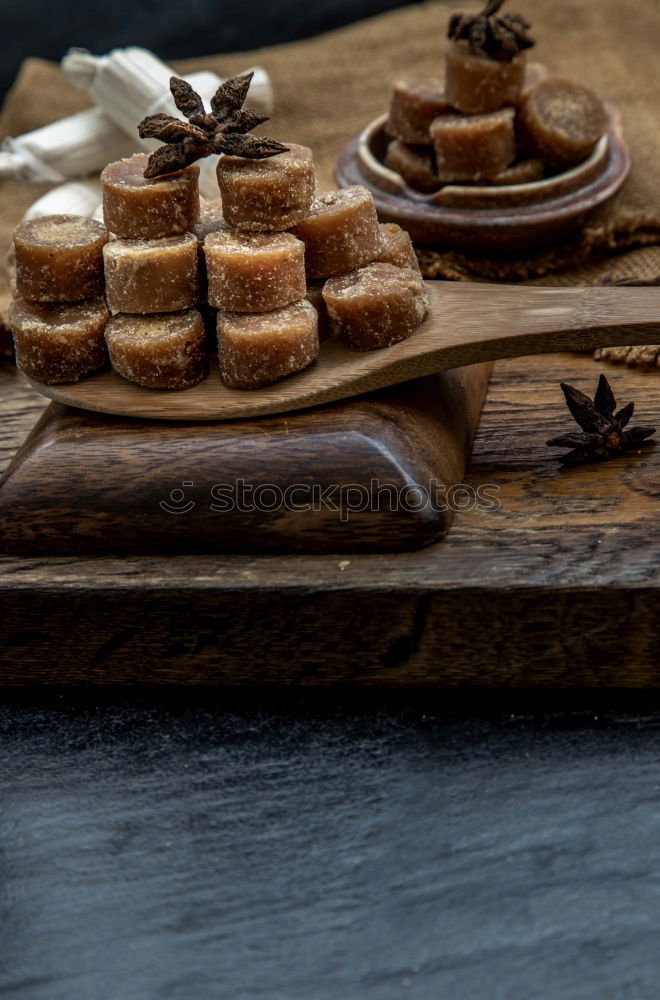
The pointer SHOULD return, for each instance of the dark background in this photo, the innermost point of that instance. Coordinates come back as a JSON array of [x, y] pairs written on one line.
[[188, 28]]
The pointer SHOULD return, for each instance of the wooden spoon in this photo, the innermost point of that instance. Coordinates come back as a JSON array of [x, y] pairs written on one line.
[[468, 323]]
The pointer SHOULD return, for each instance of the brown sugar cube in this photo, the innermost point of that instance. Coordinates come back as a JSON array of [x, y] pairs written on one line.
[[535, 73], [415, 164], [315, 296], [340, 233], [476, 84], [254, 272], [151, 276], [561, 121], [59, 258], [396, 247], [161, 351], [135, 208], [414, 104], [376, 306], [59, 341], [258, 348], [476, 147], [211, 220], [523, 172], [267, 195]]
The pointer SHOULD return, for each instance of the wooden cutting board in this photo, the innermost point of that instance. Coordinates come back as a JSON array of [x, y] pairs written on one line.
[[370, 474]]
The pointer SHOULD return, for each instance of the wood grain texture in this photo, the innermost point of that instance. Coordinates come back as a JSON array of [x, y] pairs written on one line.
[[469, 323], [344, 478], [560, 587]]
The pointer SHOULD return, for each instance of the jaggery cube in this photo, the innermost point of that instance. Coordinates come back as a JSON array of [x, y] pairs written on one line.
[[151, 276], [160, 351], [59, 258], [475, 83], [211, 218], [341, 232], [396, 247], [561, 121], [522, 172], [267, 195], [138, 208], [255, 349], [254, 272], [474, 147], [376, 306], [414, 104], [416, 164], [58, 342]]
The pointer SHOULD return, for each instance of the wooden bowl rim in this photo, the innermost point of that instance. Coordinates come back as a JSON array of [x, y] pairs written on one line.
[[419, 208]]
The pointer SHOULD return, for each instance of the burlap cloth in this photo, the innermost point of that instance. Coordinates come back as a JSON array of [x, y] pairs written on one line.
[[327, 88]]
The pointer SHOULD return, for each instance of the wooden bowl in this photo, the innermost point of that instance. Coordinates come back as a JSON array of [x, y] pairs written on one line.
[[488, 219]]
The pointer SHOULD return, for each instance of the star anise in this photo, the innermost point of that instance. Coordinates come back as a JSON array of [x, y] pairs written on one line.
[[222, 130], [604, 435], [499, 36]]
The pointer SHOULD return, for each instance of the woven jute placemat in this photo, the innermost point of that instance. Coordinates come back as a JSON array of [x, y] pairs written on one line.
[[327, 88]]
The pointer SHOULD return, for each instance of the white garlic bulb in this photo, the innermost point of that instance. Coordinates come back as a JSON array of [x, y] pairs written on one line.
[[72, 147], [130, 83], [73, 198]]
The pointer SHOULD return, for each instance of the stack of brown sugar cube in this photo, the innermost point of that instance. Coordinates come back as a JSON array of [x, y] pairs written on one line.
[[271, 266], [495, 119], [283, 266], [291, 267], [58, 315]]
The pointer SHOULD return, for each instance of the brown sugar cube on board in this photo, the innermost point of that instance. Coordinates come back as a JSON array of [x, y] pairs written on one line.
[[397, 247], [151, 276], [340, 233], [254, 272], [135, 208], [161, 351], [474, 148], [255, 349], [59, 258], [376, 306], [315, 296], [413, 106], [415, 164], [59, 342], [561, 121], [476, 84], [267, 195]]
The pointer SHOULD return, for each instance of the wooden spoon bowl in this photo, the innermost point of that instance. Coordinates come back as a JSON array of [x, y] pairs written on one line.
[[468, 323]]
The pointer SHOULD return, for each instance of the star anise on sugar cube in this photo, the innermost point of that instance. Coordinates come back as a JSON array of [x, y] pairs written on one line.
[[225, 129]]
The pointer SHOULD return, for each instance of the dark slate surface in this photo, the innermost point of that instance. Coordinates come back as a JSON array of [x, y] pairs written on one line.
[[194, 846]]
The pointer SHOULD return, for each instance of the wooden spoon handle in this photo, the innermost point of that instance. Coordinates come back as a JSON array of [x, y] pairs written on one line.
[[486, 322], [468, 323]]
